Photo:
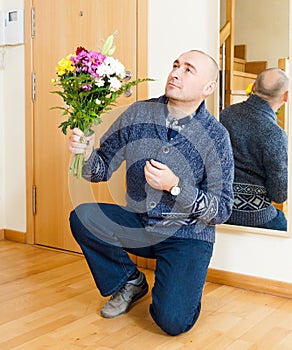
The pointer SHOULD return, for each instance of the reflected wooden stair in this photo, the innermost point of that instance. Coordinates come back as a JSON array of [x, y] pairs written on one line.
[[244, 73]]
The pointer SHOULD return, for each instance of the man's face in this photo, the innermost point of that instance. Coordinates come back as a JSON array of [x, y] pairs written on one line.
[[189, 78]]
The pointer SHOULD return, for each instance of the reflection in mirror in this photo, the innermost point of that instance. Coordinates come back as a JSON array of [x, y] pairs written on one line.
[[254, 37]]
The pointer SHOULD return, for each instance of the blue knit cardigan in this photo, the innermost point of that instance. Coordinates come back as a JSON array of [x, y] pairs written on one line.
[[200, 155], [260, 150]]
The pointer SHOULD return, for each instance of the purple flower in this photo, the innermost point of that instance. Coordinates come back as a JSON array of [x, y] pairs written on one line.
[[87, 61], [86, 87]]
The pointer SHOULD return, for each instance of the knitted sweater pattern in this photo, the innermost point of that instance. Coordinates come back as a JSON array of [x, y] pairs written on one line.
[[200, 155], [260, 157]]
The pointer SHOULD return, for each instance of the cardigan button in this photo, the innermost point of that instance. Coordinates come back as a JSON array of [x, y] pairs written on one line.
[[165, 149], [152, 204]]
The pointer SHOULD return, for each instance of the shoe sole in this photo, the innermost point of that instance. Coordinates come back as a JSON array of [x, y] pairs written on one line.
[[136, 298]]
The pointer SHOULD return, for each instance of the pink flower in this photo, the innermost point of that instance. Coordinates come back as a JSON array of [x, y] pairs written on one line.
[[86, 87], [87, 61]]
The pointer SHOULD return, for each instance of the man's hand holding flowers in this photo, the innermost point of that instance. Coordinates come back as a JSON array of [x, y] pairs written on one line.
[[81, 144]]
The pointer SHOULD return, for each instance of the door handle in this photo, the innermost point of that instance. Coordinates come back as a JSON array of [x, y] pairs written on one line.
[[128, 75], [128, 92]]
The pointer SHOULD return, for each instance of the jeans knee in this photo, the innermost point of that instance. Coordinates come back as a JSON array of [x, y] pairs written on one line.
[[73, 218], [172, 322], [75, 224]]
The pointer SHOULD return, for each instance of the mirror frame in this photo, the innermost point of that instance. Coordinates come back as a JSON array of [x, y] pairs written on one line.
[[226, 228]]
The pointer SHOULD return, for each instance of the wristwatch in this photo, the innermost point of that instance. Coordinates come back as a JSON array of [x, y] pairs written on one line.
[[176, 189]]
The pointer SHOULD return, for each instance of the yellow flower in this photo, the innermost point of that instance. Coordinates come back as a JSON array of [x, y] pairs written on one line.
[[248, 90], [65, 66]]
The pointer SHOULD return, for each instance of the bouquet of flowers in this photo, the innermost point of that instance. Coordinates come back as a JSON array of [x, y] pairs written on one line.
[[89, 83]]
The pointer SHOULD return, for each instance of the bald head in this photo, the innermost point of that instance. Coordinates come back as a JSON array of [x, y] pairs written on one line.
[[191, 80], [213, 66], [271, 84]]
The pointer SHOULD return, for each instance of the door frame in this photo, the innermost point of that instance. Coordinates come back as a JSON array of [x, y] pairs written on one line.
[[142, 93]]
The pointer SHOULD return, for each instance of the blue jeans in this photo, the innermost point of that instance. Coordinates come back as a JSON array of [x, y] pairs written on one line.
[[181, 264]]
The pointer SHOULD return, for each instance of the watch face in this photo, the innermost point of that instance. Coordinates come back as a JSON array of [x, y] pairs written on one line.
[[175, 191]]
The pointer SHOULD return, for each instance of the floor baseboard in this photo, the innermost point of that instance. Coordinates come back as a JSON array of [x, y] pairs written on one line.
[[15, 236], [257, 284]]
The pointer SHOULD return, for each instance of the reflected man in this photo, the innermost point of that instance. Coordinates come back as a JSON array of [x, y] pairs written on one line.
[[260, 153]]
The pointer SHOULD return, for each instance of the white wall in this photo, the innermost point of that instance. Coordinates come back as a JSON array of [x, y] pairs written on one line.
[[254, 254], [13, 141], [174, 27], [2, 144], [14, 126], [2, 196]]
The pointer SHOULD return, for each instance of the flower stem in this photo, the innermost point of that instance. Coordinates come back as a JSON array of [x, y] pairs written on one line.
[[77, 165]]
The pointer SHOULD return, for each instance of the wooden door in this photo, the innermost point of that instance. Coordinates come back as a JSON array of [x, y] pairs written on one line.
[[61, 26]]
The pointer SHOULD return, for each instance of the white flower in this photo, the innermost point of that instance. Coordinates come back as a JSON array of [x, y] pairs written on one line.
[[104, 70], [99, 82], [97, 101], [115, 84], [111, 67], [116, 67]]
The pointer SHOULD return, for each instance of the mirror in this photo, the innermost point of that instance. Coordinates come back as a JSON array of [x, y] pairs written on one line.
[[261, 40]]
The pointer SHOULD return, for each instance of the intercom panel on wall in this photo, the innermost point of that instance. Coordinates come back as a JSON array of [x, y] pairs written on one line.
[[12, 27]]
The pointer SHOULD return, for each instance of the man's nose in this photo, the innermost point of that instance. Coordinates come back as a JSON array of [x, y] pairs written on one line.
[[176, 73]]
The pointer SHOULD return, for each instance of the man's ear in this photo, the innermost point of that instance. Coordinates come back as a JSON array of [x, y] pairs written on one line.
[[210, 88], [253, 88], [285, 96]]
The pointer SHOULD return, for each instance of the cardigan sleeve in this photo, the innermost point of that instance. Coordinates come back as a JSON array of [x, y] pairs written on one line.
[[110, 155]]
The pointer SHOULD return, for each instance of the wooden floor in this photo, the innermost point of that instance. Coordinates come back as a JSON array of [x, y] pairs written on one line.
[[49, 301]]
